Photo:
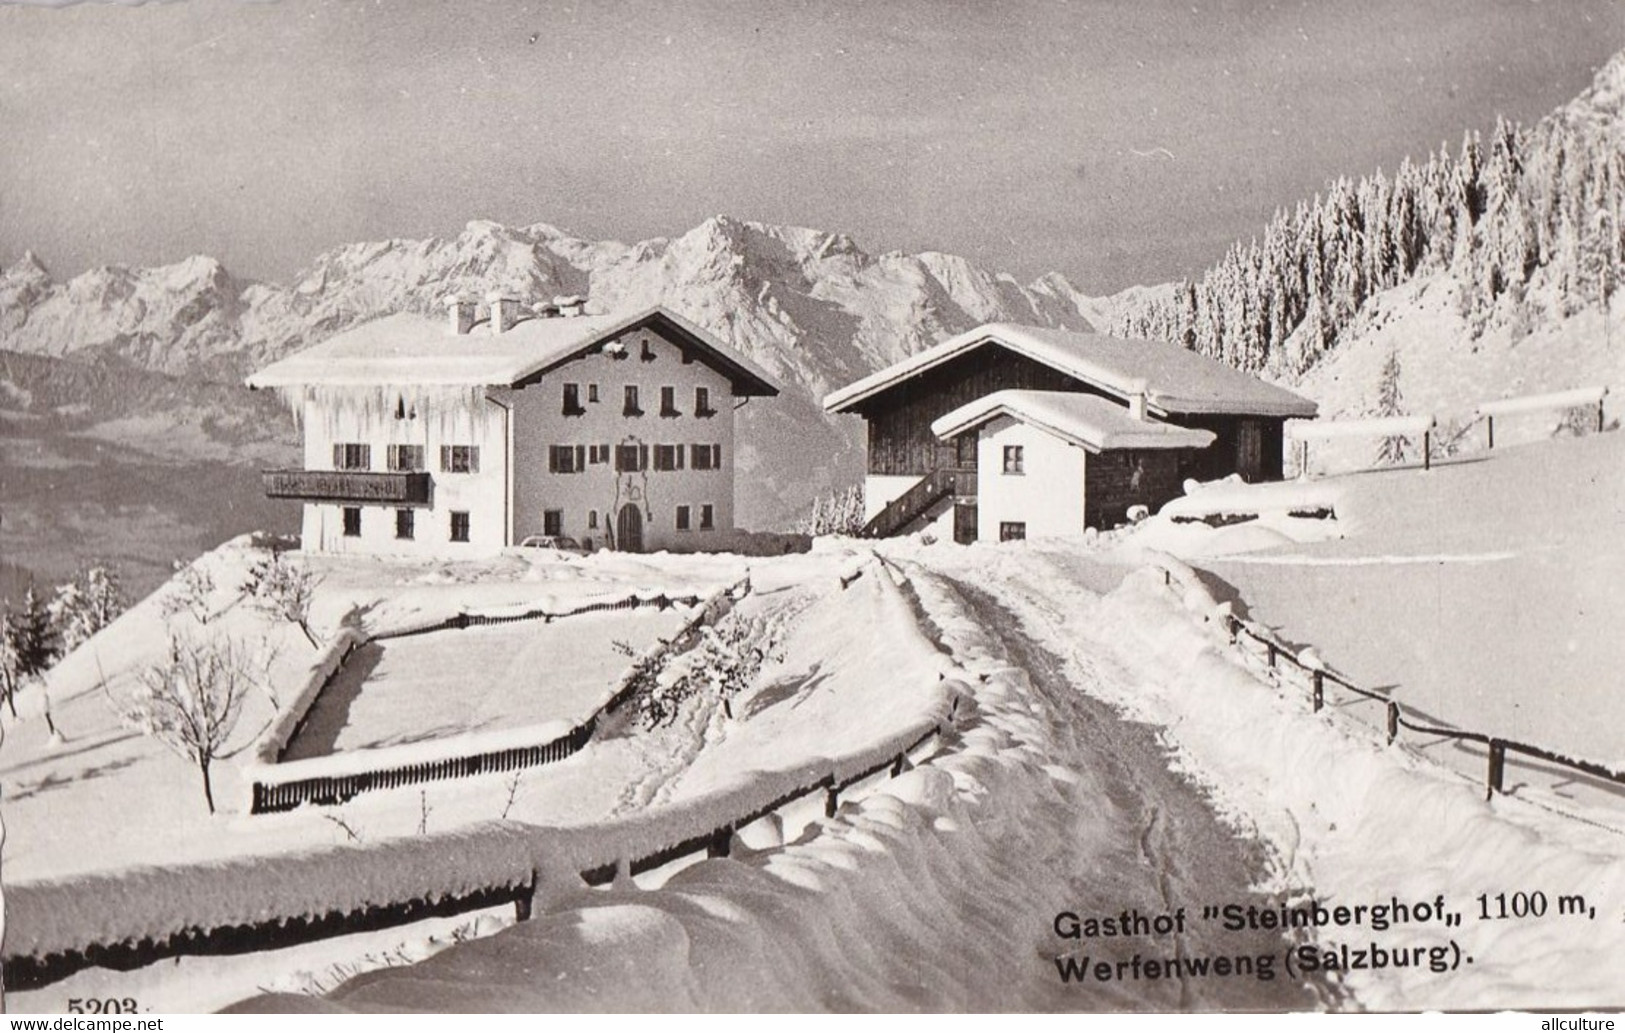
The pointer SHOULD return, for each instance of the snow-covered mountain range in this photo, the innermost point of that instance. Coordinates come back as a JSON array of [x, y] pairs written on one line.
[[812, 307]]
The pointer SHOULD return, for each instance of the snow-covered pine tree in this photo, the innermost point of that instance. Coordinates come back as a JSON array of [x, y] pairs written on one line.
[[31, 635], [86, 605], [1390, 402], [11, 671]]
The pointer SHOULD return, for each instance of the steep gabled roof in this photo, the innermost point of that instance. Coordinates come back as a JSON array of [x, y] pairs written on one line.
[[1097, 424], [406, 349], [1174, 379]]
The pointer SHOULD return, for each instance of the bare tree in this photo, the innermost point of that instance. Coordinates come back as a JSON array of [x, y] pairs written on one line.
[[193, 587], [191, 701], [285, 590]]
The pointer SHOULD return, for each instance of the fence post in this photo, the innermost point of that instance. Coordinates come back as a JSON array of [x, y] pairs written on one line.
[[1393, 721], [523, 903], [1497, 770], [1489, 421], [1232, 625], [832, 800], [1319, 680], [897, 765], [1600, 425], [1427, 449], [1271, 647], [721, 839]]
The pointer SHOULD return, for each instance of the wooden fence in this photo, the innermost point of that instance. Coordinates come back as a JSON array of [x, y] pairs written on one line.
[[1397, 716], [634, 854], [269, 795]]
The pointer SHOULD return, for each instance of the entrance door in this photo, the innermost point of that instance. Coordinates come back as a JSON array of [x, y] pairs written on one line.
[[629, 529]]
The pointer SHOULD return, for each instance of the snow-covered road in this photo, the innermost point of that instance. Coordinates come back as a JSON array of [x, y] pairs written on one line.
[[1166, 847]]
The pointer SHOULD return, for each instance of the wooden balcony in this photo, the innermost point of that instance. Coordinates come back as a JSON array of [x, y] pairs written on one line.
[[348, 486]]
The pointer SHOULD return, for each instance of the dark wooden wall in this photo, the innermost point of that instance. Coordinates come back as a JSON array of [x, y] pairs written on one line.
[[1221, 459], [1110, 484], [900, 438]]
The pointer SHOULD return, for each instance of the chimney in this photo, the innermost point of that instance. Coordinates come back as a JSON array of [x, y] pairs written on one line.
[[1136, 399], [461, 313], [504, 311]]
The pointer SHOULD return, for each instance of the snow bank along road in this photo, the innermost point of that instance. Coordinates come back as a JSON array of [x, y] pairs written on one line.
[[949, 887], [1347, 820]]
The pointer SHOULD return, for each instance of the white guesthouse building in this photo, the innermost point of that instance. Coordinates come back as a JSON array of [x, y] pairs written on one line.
[[448, 438]]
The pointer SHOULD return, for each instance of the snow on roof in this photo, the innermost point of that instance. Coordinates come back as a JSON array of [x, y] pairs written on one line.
[[1174, 379], [407, 348], [1096, 423]]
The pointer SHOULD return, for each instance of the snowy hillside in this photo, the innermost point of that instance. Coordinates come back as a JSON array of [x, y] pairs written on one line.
[[1489, 267], [812, 307]]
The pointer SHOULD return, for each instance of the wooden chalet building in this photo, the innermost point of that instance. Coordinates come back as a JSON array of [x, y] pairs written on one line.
[[435, 438], [955, 430]]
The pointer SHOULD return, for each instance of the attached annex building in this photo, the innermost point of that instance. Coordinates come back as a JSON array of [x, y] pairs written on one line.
[[1013, 431], [447, 438]]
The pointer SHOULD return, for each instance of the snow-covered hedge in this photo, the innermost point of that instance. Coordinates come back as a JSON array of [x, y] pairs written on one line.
[[276, 736]]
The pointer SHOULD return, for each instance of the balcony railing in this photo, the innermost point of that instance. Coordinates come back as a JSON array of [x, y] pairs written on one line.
[[347, 486]]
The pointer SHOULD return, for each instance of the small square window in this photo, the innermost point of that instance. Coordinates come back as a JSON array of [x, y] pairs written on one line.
[[592, 519], [631, 458], [668, 402], [702, 402], [707, 517], [1012, 531], [459, 526], [352, 456], [460, 458], [592, 392], [631, 408], [405, 522], [404, 457], [682, 518], [1015, 460], [553, 522], [352, 521]]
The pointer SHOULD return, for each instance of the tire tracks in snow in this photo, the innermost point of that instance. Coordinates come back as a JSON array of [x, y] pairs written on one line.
[[1186, 854]]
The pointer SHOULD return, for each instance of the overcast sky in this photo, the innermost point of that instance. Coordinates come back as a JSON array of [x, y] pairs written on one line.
[[1116, 142]]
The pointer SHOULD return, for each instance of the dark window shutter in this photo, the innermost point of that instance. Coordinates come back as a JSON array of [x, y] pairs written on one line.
[[581, 458], [643, 457], [445, 458], [338, 457]]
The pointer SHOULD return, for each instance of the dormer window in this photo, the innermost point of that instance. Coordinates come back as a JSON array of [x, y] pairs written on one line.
[[631, 408], [668, 402], [702, 402], [572, 400]]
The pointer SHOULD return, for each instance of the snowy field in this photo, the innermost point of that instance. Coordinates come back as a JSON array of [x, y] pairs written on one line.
[[477, 679], [1102, 734], [1487, 593]]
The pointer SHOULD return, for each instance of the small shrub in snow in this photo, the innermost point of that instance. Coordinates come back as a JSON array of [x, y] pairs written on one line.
[[283, 589], [193, 587], [723, 662], [1576, 422], [840, 511], [191, 701]]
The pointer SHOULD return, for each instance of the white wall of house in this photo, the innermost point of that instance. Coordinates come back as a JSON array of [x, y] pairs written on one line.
[[1047, 496], [379, 418], [589, 502]]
